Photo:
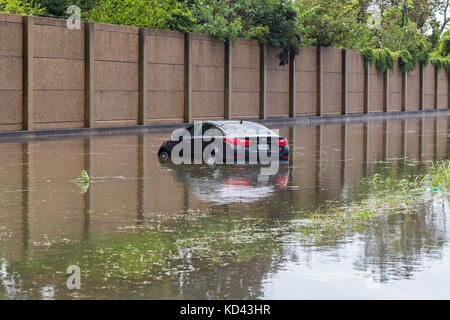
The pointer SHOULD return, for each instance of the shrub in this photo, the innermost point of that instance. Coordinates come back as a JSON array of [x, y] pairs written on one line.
[[21, 7], [383, 58], [444, 46], [440, 62]]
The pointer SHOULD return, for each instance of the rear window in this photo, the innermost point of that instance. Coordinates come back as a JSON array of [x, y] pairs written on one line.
[[246, 129]]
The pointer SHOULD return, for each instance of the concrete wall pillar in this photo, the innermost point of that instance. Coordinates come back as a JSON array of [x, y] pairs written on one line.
[[89, 76], [386, 91], [405, 91], [367, 87], [436, 88], [263, 81], [344, 82], [28, 87], [292, 85], [421, 87], [228, 90], [143, 76], [319, 110], [188, 78]]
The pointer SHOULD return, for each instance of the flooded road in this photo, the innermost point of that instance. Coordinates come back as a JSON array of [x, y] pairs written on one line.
[[143, 230]]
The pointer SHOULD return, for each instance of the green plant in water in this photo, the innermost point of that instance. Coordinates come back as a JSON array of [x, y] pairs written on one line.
[[385, 197], [83, 177], [83, 181]]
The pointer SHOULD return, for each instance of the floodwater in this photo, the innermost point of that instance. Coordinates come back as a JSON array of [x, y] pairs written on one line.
[[141, 230]]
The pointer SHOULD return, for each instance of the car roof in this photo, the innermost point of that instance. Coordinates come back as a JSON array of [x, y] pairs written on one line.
[[221, 123]]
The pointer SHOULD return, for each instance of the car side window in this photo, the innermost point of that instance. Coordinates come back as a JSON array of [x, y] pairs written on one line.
[[206, 127], [190, 129], [210, 130]]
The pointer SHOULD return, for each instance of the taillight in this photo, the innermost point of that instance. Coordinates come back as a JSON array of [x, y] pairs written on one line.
[[237, 142], [282, 180], [245, 182], [282, 142]]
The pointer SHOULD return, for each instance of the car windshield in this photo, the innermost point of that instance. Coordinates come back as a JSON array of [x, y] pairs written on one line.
[[246, 129]]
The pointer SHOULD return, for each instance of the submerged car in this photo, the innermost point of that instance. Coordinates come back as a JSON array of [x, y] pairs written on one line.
[[225, 141]]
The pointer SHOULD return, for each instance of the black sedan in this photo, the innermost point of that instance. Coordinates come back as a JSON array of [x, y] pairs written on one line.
[[227, 141]]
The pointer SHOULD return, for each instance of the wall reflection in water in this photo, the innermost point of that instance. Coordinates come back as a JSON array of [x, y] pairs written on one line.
[[41, 208]]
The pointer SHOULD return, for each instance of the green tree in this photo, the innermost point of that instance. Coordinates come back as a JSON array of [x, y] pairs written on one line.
[[270, 21], [444, 47], [166, 14], [336, 22], [22, 7], [58, 8]]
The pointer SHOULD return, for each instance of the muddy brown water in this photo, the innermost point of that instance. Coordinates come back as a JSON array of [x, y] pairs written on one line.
[[142, 230]]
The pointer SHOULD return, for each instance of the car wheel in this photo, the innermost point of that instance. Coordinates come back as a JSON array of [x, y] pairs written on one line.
[[164, 156]]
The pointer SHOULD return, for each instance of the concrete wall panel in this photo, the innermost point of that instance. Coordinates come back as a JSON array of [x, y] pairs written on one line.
[[11, 47], [206, 51], [165, 82], [116, 76], [443, 90], [376, 89], [413, 89], [246, 54], [117, 46], [58, 42], [332, 81], [429, 86], [10, 39], [395, 88], [165, 106], [245, 104], [277, 85], [10, 73], [69, 107], [245, 79], [116, 105], [165, 47], [208, 77], [58, 74], [306, 81], [165, 77], [58, 68], [278, 103], [355, 82], [208, 105], [10, 110]]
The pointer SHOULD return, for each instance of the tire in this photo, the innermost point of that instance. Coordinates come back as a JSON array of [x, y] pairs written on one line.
[[164, 156]]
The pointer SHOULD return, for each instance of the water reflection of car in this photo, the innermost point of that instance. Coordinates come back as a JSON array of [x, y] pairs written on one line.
[[229, 141], [230, 184]]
